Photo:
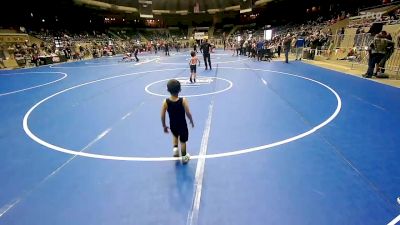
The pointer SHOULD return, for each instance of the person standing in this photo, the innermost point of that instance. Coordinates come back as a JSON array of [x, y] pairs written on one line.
[[166, 49], [205, 49], [135, 53], [177, 107], [195, 46], [388, 53], [155, 47], [376, 53], [260, 49], [192, 63], [224, 40], [299, 47], [286, 45], [2, 58], [279, 48], [233, 47]]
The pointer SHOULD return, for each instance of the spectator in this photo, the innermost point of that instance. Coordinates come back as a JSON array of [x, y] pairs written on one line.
[[388, 52], [286, 44], [377, 53], [299, 47], [205, 49], [2, 57], [279, 49], [260, 46], [166, 49]]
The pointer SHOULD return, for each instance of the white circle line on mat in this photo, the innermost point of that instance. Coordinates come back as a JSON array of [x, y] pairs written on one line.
[[214, 63], [33, 87], [189, 96], [153, 159]]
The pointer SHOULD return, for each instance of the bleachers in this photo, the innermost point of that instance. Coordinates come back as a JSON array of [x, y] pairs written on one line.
[[176, 33], [380, 9], [154, 34], [20, 49], [386, 14]]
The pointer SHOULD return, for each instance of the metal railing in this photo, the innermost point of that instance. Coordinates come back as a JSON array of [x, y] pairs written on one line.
[[354, 50]]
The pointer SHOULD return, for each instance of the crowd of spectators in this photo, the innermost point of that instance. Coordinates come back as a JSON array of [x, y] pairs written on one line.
[[77, 46], [164, 34], [315, 36], [65, 46]]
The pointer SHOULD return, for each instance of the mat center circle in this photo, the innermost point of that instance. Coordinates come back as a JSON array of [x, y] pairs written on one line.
[[202, 87]]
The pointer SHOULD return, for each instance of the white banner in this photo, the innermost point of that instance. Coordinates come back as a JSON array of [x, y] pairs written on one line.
[[199, 35]]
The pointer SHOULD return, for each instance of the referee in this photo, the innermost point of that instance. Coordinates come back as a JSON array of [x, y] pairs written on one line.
[[205, 49]]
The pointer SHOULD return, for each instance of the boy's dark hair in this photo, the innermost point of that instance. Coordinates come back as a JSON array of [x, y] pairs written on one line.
[[173, 86], [193, 53]]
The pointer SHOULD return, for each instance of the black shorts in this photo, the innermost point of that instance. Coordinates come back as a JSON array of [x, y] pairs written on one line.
[[193, 68], [181, 133]]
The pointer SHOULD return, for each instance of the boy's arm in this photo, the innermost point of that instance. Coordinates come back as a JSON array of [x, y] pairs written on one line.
[[187, 111], [163, 110]]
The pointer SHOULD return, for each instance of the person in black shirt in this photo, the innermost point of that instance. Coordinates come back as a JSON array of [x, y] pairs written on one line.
[[177, 108], [166, 49], [205, 49], [195, 47], [135, 53]]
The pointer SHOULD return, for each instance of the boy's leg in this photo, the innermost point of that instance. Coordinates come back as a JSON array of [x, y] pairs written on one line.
[[183, 138], [175, 141], [183, 148], [185, 156], [175, 144]]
